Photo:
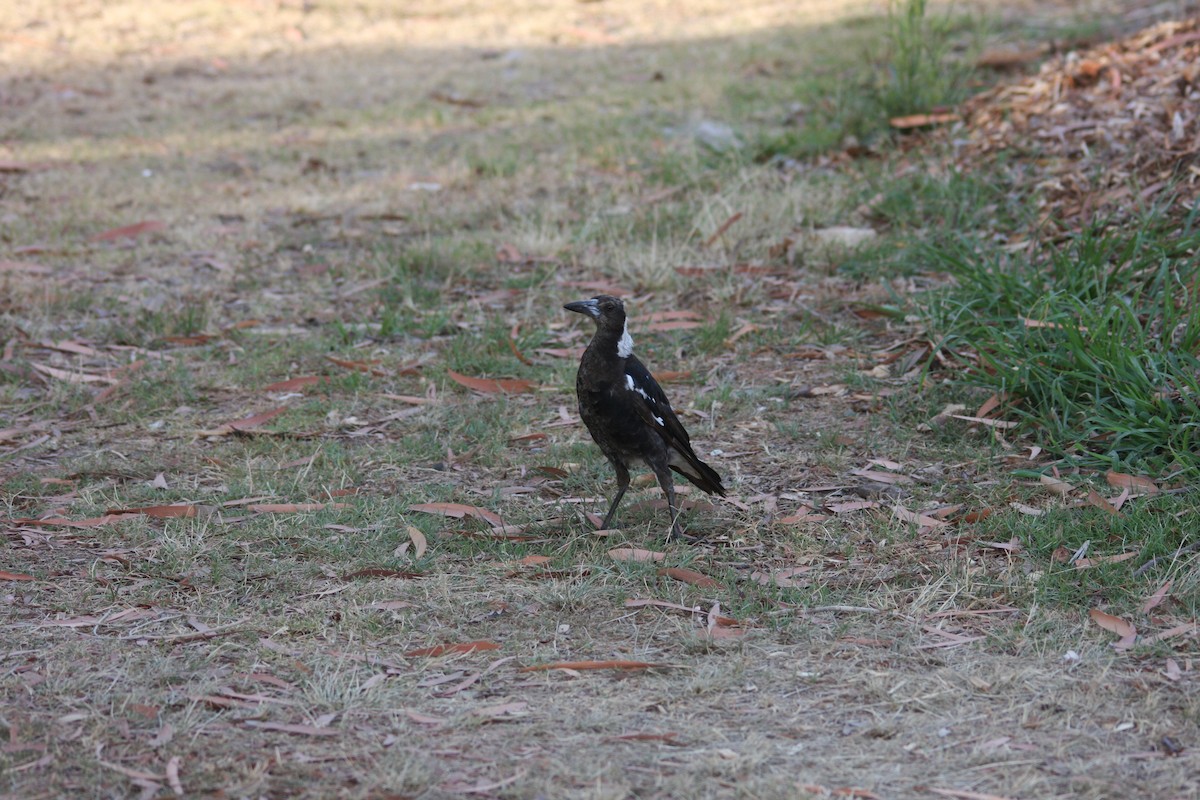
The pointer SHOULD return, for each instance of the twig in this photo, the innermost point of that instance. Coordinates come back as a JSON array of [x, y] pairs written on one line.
[[846, 609], [182, 638], [1191, 548]]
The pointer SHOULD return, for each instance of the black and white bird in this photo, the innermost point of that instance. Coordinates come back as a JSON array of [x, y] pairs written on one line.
[[627, 413]]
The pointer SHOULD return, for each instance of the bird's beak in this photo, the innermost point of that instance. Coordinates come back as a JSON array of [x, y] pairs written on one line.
[[589, 307]]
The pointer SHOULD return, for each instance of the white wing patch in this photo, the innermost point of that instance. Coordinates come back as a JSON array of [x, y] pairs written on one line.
[[625, 345], [659, 420], [632, 386]]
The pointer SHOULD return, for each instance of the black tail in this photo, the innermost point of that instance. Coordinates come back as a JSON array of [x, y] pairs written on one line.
[[689, 465]]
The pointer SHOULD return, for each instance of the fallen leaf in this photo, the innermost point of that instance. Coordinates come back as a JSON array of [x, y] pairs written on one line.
[[1187, 627], [73, 377], [990, 404], [1056, 485], [988, 421], [503, 710], [667, 738], [424, 719], [692, 577], [444, 649], [635, 554], [581, 666], [128, 231], [725, 226], [920, 520], [1013, 545], [292, 384], [94, 522], [921, 120], [14, 576], [1154, 600], [638, 603], [172, 772], [257, 419], [532, 561], [1120, 627], [1119, 480], [420, 544], [491, 385], [283, 727], [881, 477], [159, 512], [165, 734], [852, 505], [458, 511], [358, 366], [1084, 563], [1094, 499]]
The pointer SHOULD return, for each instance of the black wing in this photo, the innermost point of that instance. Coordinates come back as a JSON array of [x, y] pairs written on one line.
[[654, 409]]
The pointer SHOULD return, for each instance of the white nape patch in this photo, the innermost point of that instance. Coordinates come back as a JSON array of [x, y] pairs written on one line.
[[625, 345]]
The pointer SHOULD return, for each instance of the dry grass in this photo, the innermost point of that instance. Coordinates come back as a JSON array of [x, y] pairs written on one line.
[[351, 176]]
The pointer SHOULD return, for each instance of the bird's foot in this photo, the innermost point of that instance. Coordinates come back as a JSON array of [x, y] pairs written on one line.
[[678, 535]]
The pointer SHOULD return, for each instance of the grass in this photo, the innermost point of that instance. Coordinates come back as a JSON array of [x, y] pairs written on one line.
[[870, 654], [1092, 341]]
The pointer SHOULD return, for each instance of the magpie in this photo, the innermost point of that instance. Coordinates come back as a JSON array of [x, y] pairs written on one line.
[[627, 413]]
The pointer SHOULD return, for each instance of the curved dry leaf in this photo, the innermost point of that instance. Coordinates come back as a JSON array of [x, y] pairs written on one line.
[[492, 385], [445, 649], [284, 727], [1155, 599], [852, 505], [159, 512], [128, 231], [292, 384], [358, 366], [14, 576], [635, 554], [256, 420], [1135, 483], [1111, 623], [920, 520], [458, 511], [692, 577], [785, 578], [1094, 499], [420, 544], [1056, 485]]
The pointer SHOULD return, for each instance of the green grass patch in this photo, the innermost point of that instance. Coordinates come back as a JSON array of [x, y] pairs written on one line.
[[1093, 341]]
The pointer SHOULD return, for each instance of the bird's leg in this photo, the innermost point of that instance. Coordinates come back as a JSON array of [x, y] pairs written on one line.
[[667, 482], [622, 485]]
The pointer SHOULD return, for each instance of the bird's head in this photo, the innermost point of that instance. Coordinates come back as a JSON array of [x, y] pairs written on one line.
[[608, 311], [609, 314]]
